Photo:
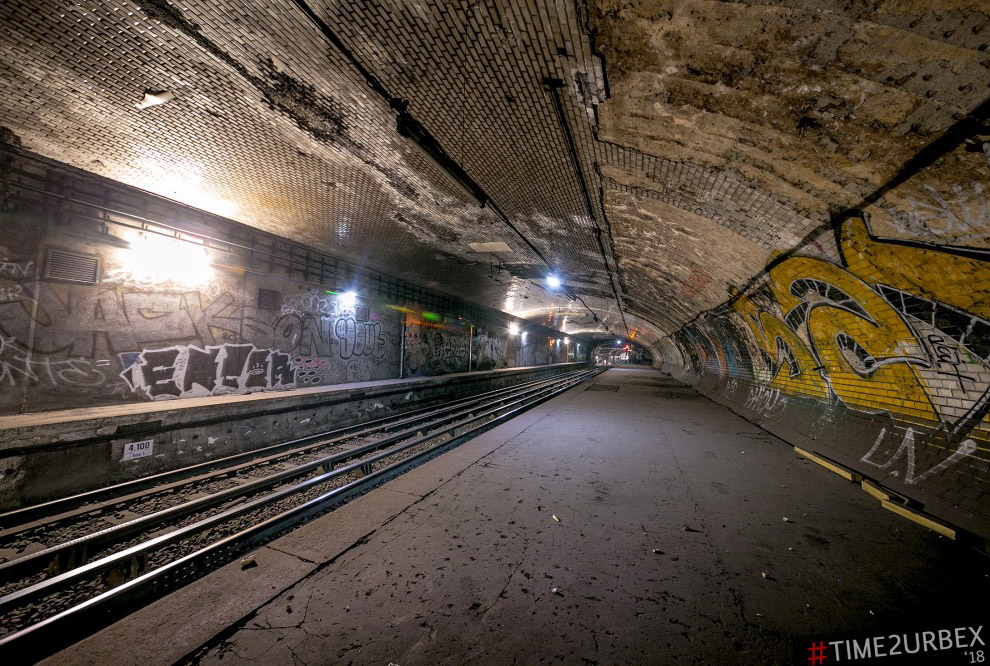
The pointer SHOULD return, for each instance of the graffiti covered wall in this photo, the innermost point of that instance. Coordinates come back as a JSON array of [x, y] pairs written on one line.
[[884, 353], [122, 335], [94, 313], [492, 350], [64, 344], [130, 337], [433, 349]]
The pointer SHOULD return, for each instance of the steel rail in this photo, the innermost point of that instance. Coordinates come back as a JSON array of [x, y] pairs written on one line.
[[29, 516], [56, 632], [68, 553], [131, 556]]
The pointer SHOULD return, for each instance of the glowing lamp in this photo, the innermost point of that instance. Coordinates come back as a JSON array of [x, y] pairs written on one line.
[[156, 258]]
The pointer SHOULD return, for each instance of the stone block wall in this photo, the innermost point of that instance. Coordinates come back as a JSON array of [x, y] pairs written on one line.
[[874, 353]]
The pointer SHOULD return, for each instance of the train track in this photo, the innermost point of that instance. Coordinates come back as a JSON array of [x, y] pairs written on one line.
[[78, 563]]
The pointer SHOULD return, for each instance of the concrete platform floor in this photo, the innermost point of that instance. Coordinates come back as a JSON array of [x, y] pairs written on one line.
[[671, 547]]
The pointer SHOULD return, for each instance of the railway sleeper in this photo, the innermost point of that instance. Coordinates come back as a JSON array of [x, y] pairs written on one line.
[[68, 559], [126, 570]]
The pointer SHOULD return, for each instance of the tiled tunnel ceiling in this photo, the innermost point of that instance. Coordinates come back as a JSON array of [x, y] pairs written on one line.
[[709, 136]]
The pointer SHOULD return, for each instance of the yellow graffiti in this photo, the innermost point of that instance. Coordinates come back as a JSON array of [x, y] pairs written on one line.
[[845, 337], [958, 281], [768, 329], [885, 337]]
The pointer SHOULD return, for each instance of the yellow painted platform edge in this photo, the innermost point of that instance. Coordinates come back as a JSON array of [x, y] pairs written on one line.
[[883, 493], [888, 499], [876, 491], [849, 475], [918, 518]]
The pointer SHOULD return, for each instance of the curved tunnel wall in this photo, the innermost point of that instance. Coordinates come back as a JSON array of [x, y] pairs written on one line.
[[873, 353], [83, 324]]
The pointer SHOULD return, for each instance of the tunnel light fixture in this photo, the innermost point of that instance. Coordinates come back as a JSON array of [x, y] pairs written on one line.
[[348, 299], [156, 258], [513, 328], [567, 341], [553, 281]]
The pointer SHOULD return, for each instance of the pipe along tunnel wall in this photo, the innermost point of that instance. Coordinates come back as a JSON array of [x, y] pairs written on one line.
[[872, 353]]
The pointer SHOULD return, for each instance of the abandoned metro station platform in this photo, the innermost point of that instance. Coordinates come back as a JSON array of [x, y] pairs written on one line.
[[494, 332]]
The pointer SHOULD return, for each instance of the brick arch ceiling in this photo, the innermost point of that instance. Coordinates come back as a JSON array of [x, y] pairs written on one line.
[[658, 155]]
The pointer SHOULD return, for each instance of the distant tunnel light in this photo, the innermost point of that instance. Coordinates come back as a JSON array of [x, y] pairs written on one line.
[[618, 342], [513, 328], [523, 336], [553, 281], [159, 259], [567, 341], [348, 299]]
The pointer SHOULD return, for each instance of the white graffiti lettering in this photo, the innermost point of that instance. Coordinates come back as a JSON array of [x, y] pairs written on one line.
[[765, 401], [188, 371], [907, 450]]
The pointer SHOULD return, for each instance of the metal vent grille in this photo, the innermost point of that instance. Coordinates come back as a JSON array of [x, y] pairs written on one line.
[[268, 299], [62, 265], [603, 387]]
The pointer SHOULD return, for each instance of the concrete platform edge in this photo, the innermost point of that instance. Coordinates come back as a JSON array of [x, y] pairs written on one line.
[[190, 618]]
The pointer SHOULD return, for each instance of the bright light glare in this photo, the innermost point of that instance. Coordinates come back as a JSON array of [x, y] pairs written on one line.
[[567, 341], [618, 342], [553, 281], [513, 328], [523, 336], [348, 299], [158, 259]]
